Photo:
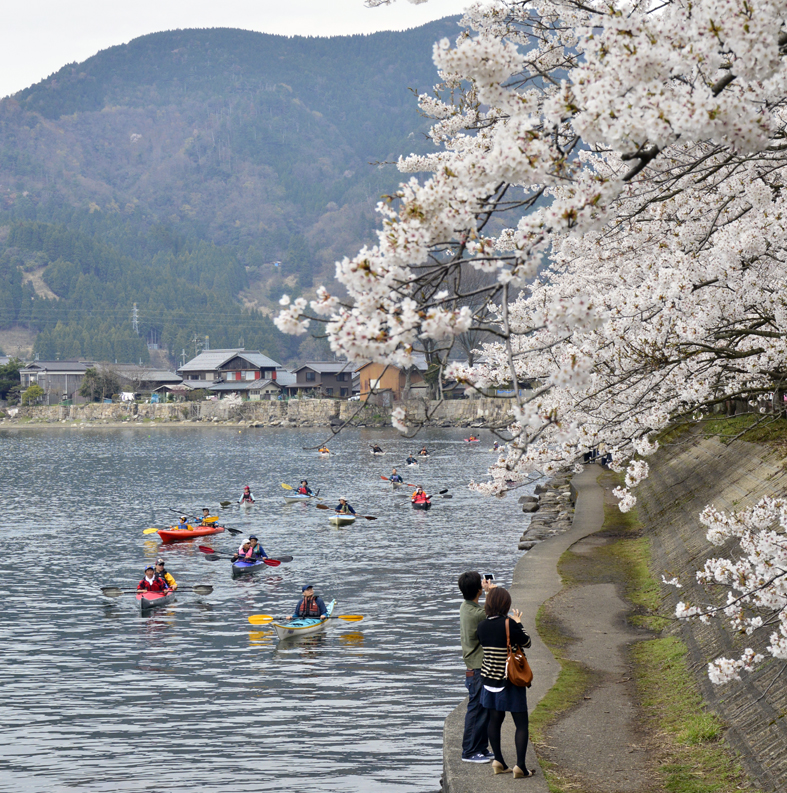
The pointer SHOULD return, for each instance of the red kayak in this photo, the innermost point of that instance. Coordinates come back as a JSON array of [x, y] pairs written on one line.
[[152, 600], [173, 535]]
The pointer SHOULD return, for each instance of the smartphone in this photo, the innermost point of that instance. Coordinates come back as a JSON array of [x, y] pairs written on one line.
[[489, 577]]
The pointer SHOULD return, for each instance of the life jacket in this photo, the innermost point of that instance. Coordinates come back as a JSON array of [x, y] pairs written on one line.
[[396, 478], [420, 498], [308, 608], [157, 586], [165, 576], [304, 491]]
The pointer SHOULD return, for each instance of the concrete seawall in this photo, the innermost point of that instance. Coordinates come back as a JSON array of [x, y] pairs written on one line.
[[682, 482], [294, 413]]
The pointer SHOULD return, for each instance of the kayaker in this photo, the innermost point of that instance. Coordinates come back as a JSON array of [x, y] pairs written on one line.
[[165, 576], [310, 605], [256, 550], [375, 448], [244, 552], [472, 438], [419, 497], [423, 452], [205, 515], [395, 478], [247, 497], [324, 450], [184, 524], [344, 508], [411, 460], [304, 489], [150, 582], [496, 446]]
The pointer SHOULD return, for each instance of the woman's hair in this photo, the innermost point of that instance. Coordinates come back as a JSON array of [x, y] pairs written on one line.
[[498, 602]]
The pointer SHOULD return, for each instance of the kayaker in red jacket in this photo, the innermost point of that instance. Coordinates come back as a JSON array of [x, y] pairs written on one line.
[[419, 497], [151, 583], [304, 489]]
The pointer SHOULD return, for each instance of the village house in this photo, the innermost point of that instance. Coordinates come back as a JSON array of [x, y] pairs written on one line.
[[59, 379], [325, 379], [229, 366]]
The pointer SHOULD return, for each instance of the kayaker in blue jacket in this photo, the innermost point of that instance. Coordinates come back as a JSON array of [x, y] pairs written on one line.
[[344, 508], [310, 605], [411, 460]]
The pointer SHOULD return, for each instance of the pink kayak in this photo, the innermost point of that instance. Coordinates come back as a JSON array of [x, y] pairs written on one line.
[[152, 600]]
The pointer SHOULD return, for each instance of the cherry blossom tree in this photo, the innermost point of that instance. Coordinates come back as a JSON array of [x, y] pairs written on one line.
[[614, 169]]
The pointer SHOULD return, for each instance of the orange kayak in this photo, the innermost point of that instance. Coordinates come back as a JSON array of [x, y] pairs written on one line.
[[173, 535]]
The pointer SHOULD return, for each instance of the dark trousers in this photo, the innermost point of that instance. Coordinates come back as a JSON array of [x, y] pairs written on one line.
[[475, 739]]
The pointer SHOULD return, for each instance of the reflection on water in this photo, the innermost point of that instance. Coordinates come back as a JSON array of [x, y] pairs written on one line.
[[97, 697]]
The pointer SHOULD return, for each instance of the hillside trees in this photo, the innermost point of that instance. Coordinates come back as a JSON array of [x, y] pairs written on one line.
[[640, 149]]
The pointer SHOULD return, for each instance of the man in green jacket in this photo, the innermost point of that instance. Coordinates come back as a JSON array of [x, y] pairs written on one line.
[[475, 744]]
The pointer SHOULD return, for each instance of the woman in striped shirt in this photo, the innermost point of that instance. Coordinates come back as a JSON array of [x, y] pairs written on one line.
[[499, 696]]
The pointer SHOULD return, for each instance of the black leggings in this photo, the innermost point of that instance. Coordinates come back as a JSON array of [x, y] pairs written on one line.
[[496, 718]]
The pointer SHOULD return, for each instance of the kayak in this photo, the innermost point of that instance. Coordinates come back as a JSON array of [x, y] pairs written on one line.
[[152, 600], [342, 520], [174, 535], [377, 453], [294, 498], [397, 485], [472, 440], [303, 627], [412, 465], [422, 505], [242, 567]]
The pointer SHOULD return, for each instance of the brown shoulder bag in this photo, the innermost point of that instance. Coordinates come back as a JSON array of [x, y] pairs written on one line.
[[518, 670]]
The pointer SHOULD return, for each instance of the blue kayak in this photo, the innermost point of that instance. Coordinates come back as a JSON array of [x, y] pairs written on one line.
[[242, 567]]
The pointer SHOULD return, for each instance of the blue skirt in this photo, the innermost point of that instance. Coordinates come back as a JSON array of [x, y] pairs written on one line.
[[512, 699]]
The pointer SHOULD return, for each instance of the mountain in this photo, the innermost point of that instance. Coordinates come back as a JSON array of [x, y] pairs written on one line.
[[198, 174]]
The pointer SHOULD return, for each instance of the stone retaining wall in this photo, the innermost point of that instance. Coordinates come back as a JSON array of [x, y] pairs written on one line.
[[682, 482], [294, 413]]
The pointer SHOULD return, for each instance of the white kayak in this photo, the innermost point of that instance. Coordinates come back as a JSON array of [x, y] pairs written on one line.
[[342, 520], [294, 498], [302, 627]]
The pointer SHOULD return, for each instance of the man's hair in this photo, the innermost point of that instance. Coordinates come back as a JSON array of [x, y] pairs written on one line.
[[470, 584], [498, 602]]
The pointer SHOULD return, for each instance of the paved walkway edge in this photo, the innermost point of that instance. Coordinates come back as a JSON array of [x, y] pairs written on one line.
[[535, 580]]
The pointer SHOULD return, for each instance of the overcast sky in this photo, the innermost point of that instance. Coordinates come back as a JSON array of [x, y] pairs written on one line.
[[37, 37]]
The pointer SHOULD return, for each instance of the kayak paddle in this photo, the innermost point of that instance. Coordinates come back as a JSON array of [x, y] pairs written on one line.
[[325, 506], [210, 518], [263, 619], [213, 555], [114, 592]]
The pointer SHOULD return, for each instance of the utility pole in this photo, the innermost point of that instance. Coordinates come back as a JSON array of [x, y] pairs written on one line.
[[197, 345], [183, 357], [135, 319]]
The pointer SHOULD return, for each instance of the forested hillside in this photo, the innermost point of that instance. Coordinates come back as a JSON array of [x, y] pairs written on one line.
[[199, 174]]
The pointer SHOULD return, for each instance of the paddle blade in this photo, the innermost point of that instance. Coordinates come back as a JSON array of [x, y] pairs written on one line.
[[233, 532], [210, 519], [443, 491], [448, 496], [322, 506], [286, 487], [284, 558], [111, 591], [150, 531], [206, 549], [272, 562], [384, 478], [202, 589], [368, 517], [261, 619], [213, 557], [350, 617], [224, 504]]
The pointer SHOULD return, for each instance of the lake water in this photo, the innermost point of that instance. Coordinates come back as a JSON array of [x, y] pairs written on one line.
[[97, 697]]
